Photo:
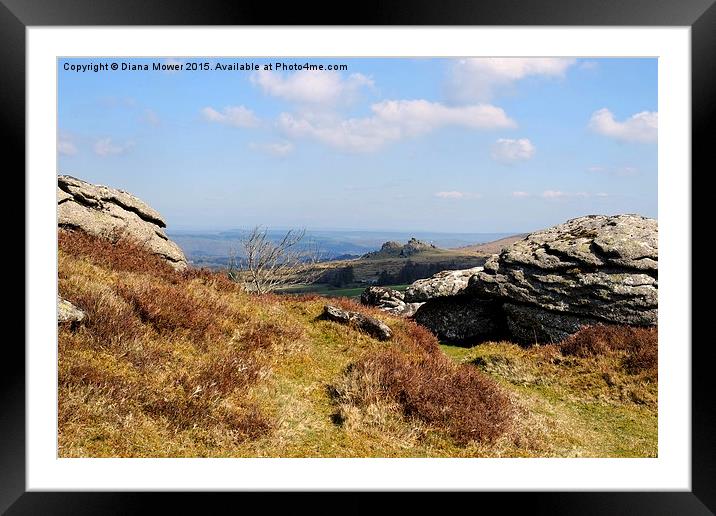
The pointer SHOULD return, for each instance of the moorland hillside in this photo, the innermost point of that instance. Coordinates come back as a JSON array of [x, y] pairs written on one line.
[[156, 360]]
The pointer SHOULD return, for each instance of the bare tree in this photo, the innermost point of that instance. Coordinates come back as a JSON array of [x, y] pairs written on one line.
[[269, 265]]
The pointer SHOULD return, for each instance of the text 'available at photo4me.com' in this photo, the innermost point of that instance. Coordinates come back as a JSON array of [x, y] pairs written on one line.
[[178, 65]]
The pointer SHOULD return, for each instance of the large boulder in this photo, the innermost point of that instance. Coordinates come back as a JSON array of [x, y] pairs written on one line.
[[109, 213], [388, 300], [595, 267], [442, 284], [589, 270]]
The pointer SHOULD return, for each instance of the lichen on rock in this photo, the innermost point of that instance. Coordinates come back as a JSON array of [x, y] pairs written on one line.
[[108, 212], [591, 269]]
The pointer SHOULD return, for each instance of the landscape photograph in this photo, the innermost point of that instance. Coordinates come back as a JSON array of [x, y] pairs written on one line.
[[357, 257]]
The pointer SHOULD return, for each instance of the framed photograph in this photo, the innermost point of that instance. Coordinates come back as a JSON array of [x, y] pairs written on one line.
[[415, 251]]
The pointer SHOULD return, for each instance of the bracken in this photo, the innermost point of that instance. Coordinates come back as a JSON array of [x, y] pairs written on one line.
[[456, 399]]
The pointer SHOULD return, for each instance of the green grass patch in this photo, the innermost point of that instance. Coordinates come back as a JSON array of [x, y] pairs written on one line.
[[579, 406], [331, 291]]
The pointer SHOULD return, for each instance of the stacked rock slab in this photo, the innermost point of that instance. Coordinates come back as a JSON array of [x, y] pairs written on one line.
[[451, 314], [442, 284], [388, 300], [589, 270], [108, 212]]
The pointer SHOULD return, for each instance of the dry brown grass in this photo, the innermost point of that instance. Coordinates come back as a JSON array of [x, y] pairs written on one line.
[[117, 253], [417, 339], [638, 345], [427, 387], [121, 254], [170, 307], [109, 318], [175, 351], [574, 406], [170, 364]]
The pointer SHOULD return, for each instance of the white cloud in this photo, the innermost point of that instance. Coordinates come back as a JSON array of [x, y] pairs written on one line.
[[506, 150], [236, 116], [66, 145], [479, 78], [615, 171], [450, 195], [453, 194], [418, 116], [311, 86], [391, 121], [640, 127], [276, 148], [560, 195], [556, 194], [106, 147]]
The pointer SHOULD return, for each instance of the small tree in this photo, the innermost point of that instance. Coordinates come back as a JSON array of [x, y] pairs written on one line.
[[269, 265]]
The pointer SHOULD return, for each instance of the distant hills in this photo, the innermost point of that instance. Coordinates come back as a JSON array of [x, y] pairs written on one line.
[[212, 248], [396, 264]]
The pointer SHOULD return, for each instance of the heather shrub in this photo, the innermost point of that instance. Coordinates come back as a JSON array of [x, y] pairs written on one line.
[[416, 338], [638, 345], [122, 254], [118, 253], [643, 353], [414, 378], [186, 364], [109, 318], [178, 351], [187, 410], [456, 399], [169, 307]]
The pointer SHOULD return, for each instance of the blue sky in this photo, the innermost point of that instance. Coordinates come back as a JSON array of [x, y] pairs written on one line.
[[454, 145]]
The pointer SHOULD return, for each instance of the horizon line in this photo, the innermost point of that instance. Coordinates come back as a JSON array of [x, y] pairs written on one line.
[[338, 229]]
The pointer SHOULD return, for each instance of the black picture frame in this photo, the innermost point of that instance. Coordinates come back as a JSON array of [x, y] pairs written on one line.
[[17, 15]]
